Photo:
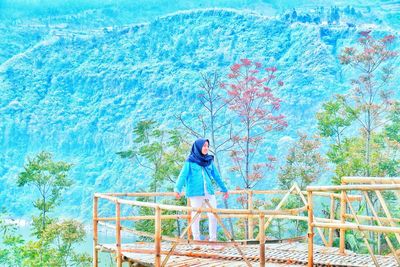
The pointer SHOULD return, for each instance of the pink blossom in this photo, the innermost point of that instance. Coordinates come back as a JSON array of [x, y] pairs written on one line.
[[254, 71], [235, 67], [280, 83], [365, 33], [258, 65], [271, 69], [246, 62], [388, 39]]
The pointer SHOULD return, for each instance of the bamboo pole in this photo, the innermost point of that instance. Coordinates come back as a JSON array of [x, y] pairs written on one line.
[[181, 236], [359, 187], [372, 218], [354, 226], [342, 221], [182, 208], [227, 234], [331, 216], [387, 213], [277, 208], [189, 220], [369, 180], [157, 237], [369, 202], [321, 234], [310, 229], [95, 233], [301, 194], [185, 253], [118, 233], [172, 239], [370, 250], [250, 219], [262, 239], [110, 196], [204, 216]]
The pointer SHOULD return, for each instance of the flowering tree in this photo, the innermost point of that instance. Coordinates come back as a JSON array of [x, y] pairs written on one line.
[[370, 99], [369, 106], [253, 101]]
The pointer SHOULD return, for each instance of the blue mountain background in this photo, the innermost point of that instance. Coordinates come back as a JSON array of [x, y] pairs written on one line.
[[76, 76]]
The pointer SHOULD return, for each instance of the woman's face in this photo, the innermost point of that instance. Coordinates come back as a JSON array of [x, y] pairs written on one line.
[[204, 149]]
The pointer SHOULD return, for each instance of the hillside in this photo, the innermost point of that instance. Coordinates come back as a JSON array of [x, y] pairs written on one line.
[[78, 93]]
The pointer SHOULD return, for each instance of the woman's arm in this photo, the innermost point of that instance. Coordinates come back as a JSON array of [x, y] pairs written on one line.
[[181, 181], [217, 177]]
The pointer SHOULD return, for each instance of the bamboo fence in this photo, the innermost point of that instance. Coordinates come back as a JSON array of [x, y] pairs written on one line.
[[265, 217]]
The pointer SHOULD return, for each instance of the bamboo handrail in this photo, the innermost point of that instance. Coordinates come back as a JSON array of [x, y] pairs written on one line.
[[372, 218], [368, 180], [182, 208], [354, 226], [232, 192], [357, 187]]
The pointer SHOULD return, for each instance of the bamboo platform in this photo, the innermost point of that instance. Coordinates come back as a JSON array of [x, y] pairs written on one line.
[[180, 250], [284, 254]]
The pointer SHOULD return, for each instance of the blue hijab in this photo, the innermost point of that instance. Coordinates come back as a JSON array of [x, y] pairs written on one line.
[[197, 157]]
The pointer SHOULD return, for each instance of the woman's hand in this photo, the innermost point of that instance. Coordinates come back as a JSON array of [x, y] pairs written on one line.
[[226, 195], [177, 195]]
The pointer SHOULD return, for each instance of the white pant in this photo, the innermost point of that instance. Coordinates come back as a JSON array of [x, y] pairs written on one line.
[[196, 202]]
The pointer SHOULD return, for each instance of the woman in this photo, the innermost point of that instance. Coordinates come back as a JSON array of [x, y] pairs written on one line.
[[196, 175]]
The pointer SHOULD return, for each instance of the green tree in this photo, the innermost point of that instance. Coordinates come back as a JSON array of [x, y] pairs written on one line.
[[304, 164], [50, 179], [12, 243], [162, 152], [55, 239], [361, 124]]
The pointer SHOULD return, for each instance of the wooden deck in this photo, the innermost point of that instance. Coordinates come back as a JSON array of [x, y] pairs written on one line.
[[283, 254]]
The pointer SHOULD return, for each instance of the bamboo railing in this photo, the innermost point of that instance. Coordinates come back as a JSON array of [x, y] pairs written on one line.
[[265, 218], [384, 225]]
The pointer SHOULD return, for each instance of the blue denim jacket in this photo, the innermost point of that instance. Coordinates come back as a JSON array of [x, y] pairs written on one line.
[[191, 176]]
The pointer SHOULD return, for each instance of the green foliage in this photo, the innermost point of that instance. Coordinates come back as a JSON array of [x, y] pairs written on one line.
[[392, 129], [11, 246], [304, 164], [55, 240], [162, 152], [159, 150], [64, 235], [170, 227], [50, 179], [334, 118]]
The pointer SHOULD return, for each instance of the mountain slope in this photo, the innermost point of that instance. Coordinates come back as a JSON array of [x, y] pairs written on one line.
[[79, 94]]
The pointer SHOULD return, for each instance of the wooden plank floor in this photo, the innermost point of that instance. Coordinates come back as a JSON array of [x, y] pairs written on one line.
[[285, 254]]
